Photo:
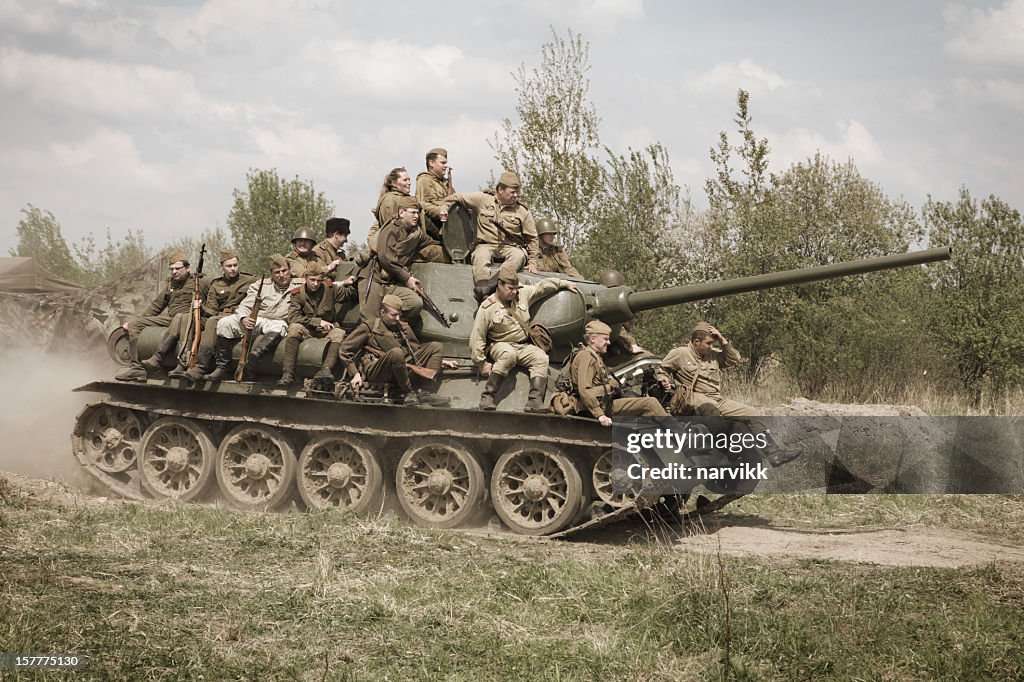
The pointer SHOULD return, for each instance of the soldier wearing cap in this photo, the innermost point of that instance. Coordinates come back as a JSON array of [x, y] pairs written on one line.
[[302, 253], [169, 309], [596, 389], [398, 247], [505, 229], [552, 255], [696, 369], [433, 187], [311, 316], [226, 292], [329, 250], [500, 331], [271, 320], [385, 349]]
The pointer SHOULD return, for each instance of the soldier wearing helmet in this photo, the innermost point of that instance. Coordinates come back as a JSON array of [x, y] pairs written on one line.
[[552, 255], [302, 253]]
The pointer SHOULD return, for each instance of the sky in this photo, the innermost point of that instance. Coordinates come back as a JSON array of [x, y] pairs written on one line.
[[147, 115]]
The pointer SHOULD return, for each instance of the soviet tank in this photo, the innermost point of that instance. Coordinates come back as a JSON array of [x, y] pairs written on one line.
[[256, 447]]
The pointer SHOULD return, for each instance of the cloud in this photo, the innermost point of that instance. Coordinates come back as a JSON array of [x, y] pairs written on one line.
[[588, 16], [987, 35], [745, 74], [996, 90], [855, 142]]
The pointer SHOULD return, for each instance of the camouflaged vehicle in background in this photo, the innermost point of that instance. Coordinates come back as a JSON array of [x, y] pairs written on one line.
[[258, 447]]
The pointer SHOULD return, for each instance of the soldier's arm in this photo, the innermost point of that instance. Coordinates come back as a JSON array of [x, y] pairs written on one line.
[[584, 370], [478, 337], [532, 245], [297, 313], [566, 266], [388, 256], [248, 302], [431, 203], [351, 346], [211, 306], [545, 287], [474, 200], [730, 357], [158, 303]]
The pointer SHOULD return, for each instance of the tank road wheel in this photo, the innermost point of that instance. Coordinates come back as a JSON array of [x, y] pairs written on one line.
[[440, 485], [605, 476], [338, 472], [255, 467], [536, 490], [176, 459], [109, 437]]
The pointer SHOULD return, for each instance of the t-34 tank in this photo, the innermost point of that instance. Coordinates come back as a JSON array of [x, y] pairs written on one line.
[[257, 447]]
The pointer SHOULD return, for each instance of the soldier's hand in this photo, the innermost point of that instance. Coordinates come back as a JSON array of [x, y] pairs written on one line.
[[349, 281], [605, 420], [124, 326], [713, 330], [248, 322], [357, 381], [450, 364], [572, 288], [326, 326], [412, 283], [443, 215], [666, 384], [334, 264], [485, 370], [531, 268]]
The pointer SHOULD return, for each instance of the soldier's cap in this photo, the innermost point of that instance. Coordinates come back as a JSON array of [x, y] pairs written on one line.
[[701, 326], [226, 254], [392, 302], [440, 151], [508, 274], [509, 179], [315, 268], [277, 261], [597, 327], [177, 256], [336, 225], [408, 201]]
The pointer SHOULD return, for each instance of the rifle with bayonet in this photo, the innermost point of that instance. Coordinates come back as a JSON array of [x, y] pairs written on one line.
[[247, 334], [197, 315]]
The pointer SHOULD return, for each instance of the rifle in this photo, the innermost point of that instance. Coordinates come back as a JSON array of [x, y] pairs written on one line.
[[247, 335], [421, 372], [449, 187], [429, 304], [197, 315], [517, 239]]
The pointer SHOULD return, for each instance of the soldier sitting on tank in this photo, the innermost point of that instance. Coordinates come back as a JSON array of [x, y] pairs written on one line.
[[311, 316], [398, 247], [501, 332], [385, 349], [552, 255], [433, 187], [696, 369], [225, 292], [270, 322], [171, 309], [329, 251], [302, 253], [597, 392]]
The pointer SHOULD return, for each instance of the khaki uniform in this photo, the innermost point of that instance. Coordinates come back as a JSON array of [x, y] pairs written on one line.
[[432, 193], [491, 241], [698, 382], [171, 308], [498, 326], [273, 313], [298, 263], [553, 259], [307, 310], [327, 254], [592, 382], [221, 300], [380, 354], [386, 210], [388, 271]]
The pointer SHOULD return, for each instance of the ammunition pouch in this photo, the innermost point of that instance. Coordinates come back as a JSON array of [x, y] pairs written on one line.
[[564, 403], [540, 337]]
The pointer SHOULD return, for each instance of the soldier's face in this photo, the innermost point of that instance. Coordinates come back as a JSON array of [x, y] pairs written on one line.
[[230, 268], [438, 166], [599, 342], [303, 246], [281, 275], [702, 346], [404, 182], [339, 240], [507, 291], [179, 271], [313, 282], [409, 216], [390, 315], [507, 196], [547, 239]]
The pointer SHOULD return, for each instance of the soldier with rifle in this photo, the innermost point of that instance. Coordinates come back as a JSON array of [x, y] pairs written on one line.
[[385, 349], [169, 309], [433, 187]]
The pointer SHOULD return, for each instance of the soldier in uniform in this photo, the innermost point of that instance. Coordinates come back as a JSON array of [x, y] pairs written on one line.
[[225, 292], [552, 255], [397, 184], [302, 253], [432, 190], [329, 250], [385, 349], [596, 389], [271, 320], [696, 369], [500, 331], [398, 247], [505, 229], [171, 309], [311, 316]]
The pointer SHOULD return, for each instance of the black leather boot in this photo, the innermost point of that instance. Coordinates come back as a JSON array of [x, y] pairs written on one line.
[[156, 360], [202, 366], [222, 359], [266, 344], [136, 372], [538, 389], [775, 455], [291, 354], [494, 383]]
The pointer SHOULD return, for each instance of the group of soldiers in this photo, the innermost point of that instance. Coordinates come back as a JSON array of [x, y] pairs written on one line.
[[303, 299]]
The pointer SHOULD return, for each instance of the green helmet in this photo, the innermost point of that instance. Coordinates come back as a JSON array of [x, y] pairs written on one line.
[[546, 226], [304, 233], [610, 278]]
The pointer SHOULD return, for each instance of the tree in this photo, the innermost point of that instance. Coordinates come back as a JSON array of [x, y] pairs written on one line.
[[977, 319], [263, 218], [553, 146], [39, 237], [215, 239], [114, 259]]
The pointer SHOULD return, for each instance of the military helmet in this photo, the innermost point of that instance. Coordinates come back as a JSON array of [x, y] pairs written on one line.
[[610, 278], [546, 226], [304, 233]]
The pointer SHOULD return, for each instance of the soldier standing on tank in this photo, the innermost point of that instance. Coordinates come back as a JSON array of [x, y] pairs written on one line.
[[397, 184], [552, 255], [271, 320], [398, 247], [500, 331], [696, 368], [329, 250], [170, 309], [505, 229], [311, 316], [302, 253], [381, 350], [597, 390], [225, 292]]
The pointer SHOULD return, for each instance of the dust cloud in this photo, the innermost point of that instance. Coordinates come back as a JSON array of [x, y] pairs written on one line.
[[38, 412]]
